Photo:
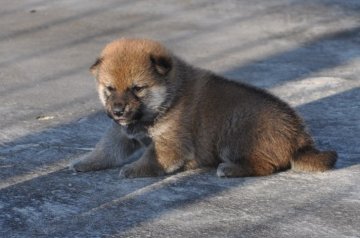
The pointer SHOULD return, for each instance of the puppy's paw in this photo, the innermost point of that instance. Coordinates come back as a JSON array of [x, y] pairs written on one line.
[[136, 169], [78, 166], [128, 171], [232, 170], [88, 162], [224, 170]]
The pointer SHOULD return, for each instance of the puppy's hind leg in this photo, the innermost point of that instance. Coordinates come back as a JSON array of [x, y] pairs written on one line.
[[113, 150], [245, 167], [230, 167], [230, 170], [236, 164]]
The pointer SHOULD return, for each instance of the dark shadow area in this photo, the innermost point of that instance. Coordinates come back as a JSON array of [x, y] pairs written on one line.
[[50, 145]]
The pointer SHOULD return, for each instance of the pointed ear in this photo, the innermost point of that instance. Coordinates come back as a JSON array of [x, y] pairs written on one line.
[[161, 64], [95, 66]]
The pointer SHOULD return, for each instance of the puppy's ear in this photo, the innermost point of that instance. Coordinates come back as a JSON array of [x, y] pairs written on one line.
[[161, 64], [93, 69]]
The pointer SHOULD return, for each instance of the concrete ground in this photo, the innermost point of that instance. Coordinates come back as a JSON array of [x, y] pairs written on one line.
[[306, 52]]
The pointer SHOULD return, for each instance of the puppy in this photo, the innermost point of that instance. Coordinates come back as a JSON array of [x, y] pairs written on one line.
[[170, 116]]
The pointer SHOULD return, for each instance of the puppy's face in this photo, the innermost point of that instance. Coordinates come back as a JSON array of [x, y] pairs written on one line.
[[131, 80]]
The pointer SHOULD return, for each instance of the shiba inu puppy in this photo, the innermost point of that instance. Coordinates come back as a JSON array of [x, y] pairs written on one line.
[[169, 116]]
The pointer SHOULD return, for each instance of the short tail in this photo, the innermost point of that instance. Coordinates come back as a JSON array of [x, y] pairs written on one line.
[[312, 160]]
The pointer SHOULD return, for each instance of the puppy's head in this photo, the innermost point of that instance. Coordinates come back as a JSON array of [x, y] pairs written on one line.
[[132, 77]]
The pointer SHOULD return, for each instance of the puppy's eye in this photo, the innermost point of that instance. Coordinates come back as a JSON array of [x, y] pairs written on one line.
[[110, 88], [137, 89]]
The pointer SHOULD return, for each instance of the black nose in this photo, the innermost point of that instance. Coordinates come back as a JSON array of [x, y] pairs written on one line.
[[118, 110]]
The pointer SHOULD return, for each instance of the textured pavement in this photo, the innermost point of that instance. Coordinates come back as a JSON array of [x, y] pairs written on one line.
[[306, 52]]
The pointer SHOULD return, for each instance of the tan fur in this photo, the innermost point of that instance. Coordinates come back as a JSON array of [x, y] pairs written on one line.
[[193, 118]]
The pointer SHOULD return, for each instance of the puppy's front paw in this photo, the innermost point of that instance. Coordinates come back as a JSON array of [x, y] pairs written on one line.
[[79, 166], [88, 162], [137, 169], [128, 171]]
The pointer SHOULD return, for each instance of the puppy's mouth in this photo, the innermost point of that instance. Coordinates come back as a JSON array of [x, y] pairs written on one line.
[[123, 121], [127, 120]]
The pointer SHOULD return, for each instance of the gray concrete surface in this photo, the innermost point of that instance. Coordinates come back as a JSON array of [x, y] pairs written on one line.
[[306, 52]]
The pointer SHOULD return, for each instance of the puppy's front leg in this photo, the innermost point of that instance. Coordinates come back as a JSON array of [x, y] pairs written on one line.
[[113, 150], [146, 166]]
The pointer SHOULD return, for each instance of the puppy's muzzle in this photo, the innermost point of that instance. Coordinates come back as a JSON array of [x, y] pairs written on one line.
[[118, 110]]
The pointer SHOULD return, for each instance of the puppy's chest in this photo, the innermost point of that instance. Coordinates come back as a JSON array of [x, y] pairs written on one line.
[[165, 128], [171, 126], [171, 135]]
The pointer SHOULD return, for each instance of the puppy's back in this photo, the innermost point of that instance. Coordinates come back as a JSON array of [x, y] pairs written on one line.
[[250, 126]]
